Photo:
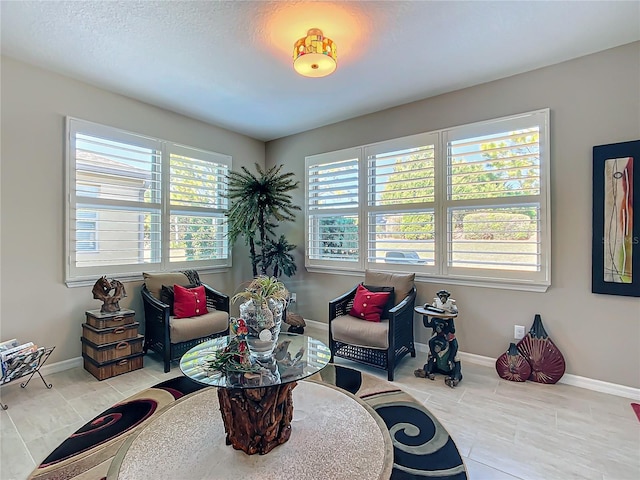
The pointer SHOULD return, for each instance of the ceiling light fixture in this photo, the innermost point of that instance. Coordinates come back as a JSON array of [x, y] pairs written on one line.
[[315, 55]]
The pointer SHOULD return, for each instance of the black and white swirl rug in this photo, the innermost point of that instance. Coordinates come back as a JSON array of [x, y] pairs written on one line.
[[422, 448]]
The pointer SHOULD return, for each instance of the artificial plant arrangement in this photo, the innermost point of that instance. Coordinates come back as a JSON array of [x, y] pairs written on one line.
[[234, 358], [258, 205], [265, 299]]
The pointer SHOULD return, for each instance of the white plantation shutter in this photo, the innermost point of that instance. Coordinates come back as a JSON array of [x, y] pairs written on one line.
[[504, 237], [496, 199], [466, 205], [333, 207], [506, 164], [197, 186], [401, 200], [402, 176], [137, 203], [115, 200]]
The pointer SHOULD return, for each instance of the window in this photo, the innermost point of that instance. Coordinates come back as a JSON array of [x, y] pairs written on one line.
[[333, 208], [466, 205], [136, 203], [401, 201]]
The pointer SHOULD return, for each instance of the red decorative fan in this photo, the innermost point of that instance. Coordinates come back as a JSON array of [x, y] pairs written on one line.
[[547, 362], [513, 366]]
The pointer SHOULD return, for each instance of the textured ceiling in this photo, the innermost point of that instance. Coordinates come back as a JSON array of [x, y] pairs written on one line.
[[228, 63]]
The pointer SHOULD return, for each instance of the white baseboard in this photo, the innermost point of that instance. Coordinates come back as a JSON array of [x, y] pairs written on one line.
[[48, 369], [316, 324], [600, 386], [567, 378]]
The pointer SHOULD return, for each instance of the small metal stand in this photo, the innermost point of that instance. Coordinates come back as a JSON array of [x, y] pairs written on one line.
[[23, 365]]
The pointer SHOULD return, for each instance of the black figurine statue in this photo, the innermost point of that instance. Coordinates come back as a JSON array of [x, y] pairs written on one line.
[[443, 352]]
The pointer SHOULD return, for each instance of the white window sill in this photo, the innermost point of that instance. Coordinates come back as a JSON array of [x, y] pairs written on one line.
[[135, 277], [503, 284]]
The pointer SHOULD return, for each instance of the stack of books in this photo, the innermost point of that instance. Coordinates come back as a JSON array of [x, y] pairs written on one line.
[[13, 355]]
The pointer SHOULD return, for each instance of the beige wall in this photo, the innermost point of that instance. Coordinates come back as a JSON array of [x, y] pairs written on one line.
[[35, 304], [594, 100]]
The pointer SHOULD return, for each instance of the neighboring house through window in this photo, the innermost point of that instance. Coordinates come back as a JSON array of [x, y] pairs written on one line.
[[86, 225], [466, 205], [86, 238], [136, 203]]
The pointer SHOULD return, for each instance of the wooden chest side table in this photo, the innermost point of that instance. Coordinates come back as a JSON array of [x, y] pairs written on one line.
[[111, 344]]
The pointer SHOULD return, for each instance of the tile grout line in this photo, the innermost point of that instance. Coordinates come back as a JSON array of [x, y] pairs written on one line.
[[24, 444], [493, 468]]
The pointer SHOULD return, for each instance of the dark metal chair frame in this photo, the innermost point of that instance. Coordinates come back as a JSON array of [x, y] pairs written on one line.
[[400, 334], [156, 335]]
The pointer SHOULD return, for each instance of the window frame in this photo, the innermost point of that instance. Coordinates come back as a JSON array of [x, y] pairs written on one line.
[[85, 275], [328, 158], [442, 272], [404, 143]]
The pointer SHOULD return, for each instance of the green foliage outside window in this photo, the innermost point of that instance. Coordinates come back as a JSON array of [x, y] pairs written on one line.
[[339, 237], [498, 226]]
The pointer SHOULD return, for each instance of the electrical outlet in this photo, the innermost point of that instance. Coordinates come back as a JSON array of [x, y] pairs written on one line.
[[292, 298], [518, 332]]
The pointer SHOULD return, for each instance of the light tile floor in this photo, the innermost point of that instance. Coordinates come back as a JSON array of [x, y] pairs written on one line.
[[504, 430]]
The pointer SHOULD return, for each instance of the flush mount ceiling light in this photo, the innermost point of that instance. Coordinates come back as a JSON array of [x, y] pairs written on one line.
[[315, 55]]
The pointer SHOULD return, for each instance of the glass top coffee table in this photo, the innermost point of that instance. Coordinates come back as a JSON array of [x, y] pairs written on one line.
[[257, 406], [295, 357]]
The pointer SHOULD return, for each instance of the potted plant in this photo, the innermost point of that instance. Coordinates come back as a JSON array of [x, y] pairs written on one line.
[[258, 204], [265, 299]]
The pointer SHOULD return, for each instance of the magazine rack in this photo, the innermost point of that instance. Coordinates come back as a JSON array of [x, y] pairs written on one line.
[[23, 365]]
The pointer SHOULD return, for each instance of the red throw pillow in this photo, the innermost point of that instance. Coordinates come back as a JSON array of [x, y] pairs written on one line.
[[368, 305], [189, 302]]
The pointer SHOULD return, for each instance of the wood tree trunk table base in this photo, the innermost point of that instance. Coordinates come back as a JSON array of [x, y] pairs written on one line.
[[256, 420]]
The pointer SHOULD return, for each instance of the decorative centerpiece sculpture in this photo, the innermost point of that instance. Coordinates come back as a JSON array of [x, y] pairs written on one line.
[[266, 299], [102, 291]]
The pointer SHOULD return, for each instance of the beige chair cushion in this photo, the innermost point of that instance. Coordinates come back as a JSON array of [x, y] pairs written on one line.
[[184, 329], [354, 331], [155, 281], [402, 283]]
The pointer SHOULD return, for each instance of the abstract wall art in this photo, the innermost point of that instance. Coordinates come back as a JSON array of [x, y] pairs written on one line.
[[616, 219]]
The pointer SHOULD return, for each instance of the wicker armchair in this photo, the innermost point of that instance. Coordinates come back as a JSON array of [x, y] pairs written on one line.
[[172, 337], [377, 344]]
